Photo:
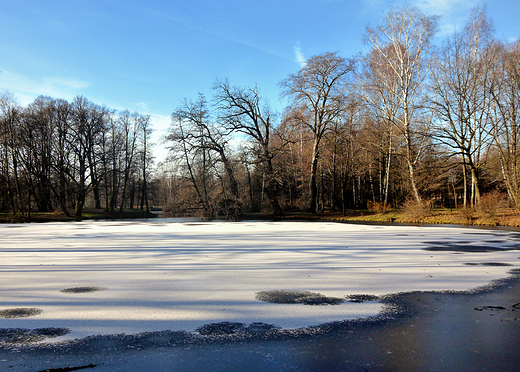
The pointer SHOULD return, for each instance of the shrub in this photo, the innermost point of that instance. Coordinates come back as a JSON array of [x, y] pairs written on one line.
[[378, 207], [417, 211], [468, 215], [490, 205]]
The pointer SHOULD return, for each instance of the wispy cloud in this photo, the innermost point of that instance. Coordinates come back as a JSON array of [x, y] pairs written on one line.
[[27, 88], [142, 105], [69, 83], [299, 57], [454, 13], [442, 6]]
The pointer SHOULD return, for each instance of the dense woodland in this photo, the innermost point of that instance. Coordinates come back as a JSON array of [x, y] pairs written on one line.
[[420, 118]]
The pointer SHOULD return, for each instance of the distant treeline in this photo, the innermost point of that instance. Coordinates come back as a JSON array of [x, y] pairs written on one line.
[[57, 155]]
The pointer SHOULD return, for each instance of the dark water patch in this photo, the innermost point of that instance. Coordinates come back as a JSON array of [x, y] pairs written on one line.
[[490, 233], [66, 369], [465, 247], [20, 312], [361, 298], [487, 264], [82, 289], [490, 308], [24, 336], [297, 297]]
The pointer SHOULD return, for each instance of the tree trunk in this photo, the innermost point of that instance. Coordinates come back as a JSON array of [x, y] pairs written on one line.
[[313, 189]]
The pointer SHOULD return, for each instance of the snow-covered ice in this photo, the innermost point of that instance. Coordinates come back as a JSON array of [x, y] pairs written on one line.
[[159, 275]]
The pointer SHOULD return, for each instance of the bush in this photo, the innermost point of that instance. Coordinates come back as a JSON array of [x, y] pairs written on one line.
[[468, 215], [378, 207], [417, 211], [490, 205]]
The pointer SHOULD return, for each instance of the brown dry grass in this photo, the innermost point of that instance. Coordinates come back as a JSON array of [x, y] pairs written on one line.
[[461, 216]]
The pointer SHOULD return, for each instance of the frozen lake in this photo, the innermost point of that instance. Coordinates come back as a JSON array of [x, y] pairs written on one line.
[[136, 276]]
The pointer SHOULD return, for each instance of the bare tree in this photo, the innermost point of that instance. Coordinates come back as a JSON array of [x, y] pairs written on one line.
[[241, 110], [129, 125], [461, 83], [87, 123], [196, 134], [400, 59], [505, 116], [318, 91], [10, 114], [146, 159], [204, 133]]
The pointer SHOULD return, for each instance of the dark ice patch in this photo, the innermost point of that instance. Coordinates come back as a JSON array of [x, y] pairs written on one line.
[[361, 298], [82, 289], [296, 297], [465, 247], [490, 308], [69, 369], [258, 327], [240, 329], [20, 312], [487, 264], [221, 329], [22, 336]]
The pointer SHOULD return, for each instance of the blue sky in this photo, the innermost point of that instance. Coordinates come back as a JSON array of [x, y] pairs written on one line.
[[147, 56]]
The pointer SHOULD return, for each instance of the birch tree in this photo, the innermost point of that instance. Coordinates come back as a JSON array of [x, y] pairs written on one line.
[[401, 47]]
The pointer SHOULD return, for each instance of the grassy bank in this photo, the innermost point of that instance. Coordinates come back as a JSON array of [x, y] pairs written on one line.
[[503, 217]]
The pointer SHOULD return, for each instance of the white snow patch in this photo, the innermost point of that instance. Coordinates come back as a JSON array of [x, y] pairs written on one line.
[[179, 276]]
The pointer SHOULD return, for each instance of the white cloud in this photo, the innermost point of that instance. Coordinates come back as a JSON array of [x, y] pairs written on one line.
[[142, 105], [442, 7], [69, 83], [27, 88], [454, 13], [299, 57]]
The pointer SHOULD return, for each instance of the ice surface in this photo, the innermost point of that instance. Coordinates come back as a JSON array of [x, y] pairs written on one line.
[[130, 277]]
